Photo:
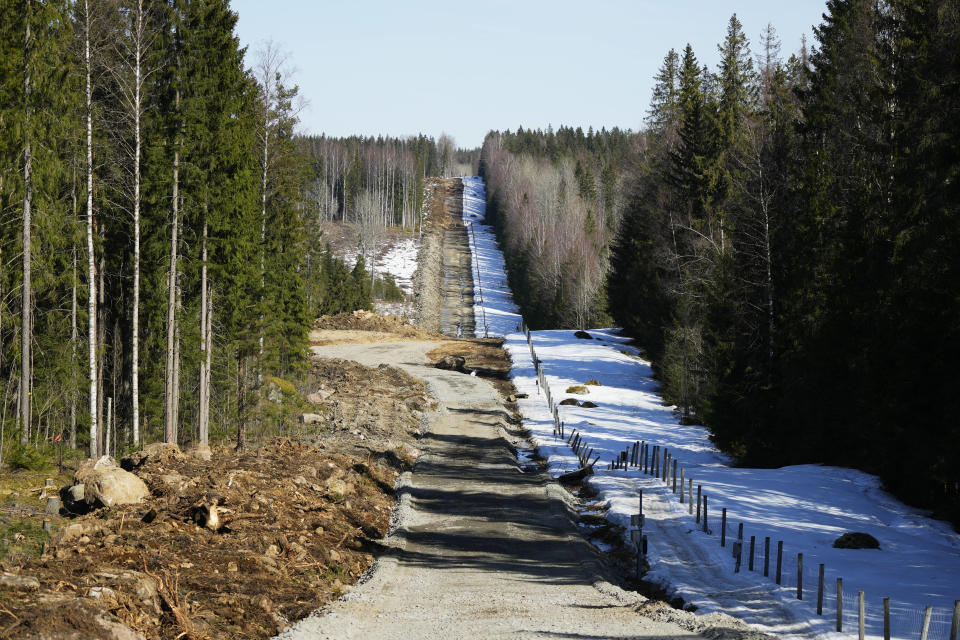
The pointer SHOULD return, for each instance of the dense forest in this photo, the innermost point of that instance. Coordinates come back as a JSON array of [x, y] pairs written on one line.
[[555, 200], [161, 253], [787, 241]]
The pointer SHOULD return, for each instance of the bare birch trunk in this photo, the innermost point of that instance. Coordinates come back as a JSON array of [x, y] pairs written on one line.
[[204, 347], [91, 270], [73, 349], [170, 417], [135, 329], [26, 324]]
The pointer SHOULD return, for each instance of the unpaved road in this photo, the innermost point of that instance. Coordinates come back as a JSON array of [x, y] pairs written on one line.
[[480, 549]]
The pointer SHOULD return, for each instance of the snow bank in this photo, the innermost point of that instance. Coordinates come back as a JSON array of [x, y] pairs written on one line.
[[807, 506]]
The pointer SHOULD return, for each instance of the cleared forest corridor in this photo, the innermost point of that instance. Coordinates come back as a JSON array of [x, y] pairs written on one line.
[[481, 549]]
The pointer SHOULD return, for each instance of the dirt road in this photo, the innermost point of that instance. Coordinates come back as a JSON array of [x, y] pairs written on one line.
[[480, 548]]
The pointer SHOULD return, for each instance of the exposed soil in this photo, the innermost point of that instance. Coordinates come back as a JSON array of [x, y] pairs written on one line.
[[444, 204], [296, 525]]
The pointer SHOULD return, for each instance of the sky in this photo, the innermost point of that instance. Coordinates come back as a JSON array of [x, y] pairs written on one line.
[[398, 68]]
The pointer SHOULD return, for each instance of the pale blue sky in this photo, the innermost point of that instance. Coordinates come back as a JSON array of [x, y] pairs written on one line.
[[400, 68]]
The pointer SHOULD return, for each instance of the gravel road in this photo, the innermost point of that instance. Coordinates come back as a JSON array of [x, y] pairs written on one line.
[[480, 548]]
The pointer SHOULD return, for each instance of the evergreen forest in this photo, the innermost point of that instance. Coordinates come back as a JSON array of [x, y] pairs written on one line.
[[162, 256], [781, 237]]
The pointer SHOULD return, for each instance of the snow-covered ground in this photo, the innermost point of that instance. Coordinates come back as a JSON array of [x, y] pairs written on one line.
[[399, 259], [806, 506]]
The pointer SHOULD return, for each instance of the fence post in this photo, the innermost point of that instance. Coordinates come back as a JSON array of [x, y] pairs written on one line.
[[779, 559], [690, 494], [820, 592], [753, 543], [705, 528], [699, 489], [927, 612], [861, 615], [766, 557], [955, 625], [886, 619], [723, 527], [799, 576], [682, 482], [675, 479], [839, 604]]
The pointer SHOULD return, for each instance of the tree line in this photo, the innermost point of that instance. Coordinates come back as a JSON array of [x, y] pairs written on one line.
[[555, 201], [789, 254], [160, 248], [786, 249]]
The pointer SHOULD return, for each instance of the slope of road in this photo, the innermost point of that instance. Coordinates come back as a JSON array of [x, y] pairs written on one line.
[[481, 548]]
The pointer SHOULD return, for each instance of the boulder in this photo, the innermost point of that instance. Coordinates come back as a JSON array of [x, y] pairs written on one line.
[[583, 335], [319, 396], [856, 540], [106, 484], [163, 453], [569, 402], [310, 418], [452, 363], [200, 452], [586, 404]]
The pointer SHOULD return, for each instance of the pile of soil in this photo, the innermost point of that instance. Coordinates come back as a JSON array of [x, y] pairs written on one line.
[[291, 525], [372, 322], [371, 412]]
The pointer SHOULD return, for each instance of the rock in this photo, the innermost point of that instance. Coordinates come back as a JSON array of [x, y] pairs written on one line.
[[206, 514], [319, 396], [232, 567], [586, 404], [201, 452], [856, 540], [334, 556], [452, 363], [272, 551], [570, 402], [163, 453], [583, 335], [105, 484], [310, 418], [21, 583], [68, 533]]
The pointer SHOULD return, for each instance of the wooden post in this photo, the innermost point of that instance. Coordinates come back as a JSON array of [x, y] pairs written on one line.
[[886, 619], [766, 557], [675, 479], [779, 560], [861, 615], [690, 494], [799, 576], [723, 527], [839, 604], [705, 529], [753, 544], [682, 482], [699, 489], [646, 458], [955, 625], [927, 612], [820, 591]]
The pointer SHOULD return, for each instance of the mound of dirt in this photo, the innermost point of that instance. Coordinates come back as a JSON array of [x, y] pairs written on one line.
[[373, 412], [367, 321], [239, 546]]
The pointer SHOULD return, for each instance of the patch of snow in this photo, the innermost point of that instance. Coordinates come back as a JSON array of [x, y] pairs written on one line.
[[805, 506]]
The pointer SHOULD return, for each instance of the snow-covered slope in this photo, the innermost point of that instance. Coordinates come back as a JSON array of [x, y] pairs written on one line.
[[807, 507]]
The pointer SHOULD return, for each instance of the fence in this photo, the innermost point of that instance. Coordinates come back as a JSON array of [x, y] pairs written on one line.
[[753, 552], [478, 280]]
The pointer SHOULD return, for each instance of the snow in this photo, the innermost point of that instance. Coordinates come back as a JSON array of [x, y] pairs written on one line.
[[805, 506], [400, 260]]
